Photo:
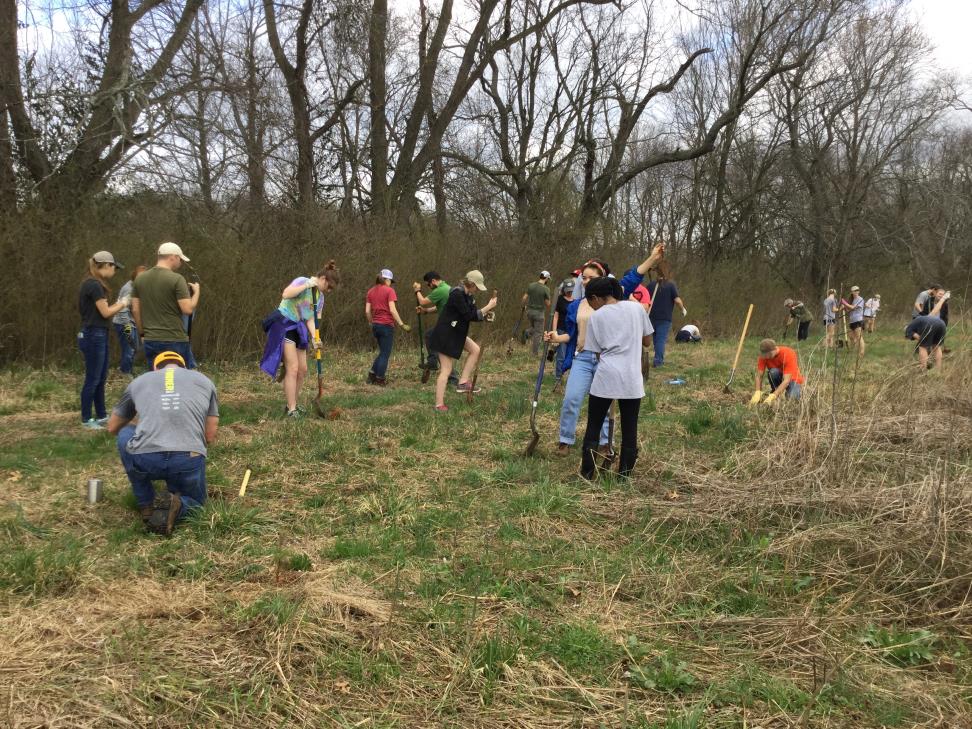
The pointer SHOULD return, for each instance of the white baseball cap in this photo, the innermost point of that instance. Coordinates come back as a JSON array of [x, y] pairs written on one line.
[[386, 273], [171, 249], [545, 274]]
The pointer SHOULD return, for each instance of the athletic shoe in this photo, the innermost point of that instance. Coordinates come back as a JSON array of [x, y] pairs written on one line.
[[441, 408], [301, 410], [103, 421], [294, 414], [453, 381], [466, 387], [92, 424]]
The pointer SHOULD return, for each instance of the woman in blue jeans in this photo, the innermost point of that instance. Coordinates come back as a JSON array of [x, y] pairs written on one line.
[[382, 315], [583, 364], [96, 317]]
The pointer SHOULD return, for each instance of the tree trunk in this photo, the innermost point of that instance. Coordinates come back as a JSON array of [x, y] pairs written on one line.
[[377, 92]]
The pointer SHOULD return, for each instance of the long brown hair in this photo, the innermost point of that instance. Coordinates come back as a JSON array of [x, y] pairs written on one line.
[[93, 272], [330, 274]]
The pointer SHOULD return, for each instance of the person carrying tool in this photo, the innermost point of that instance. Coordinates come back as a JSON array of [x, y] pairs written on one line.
[[616, 333], [382, 316], [93, 336], [871, 308], [125, 329], [581, 363], [160, 298], [782, 369], [450, 337], [797, 311], [433, 304], [928, 332], [537, 302], [290, 332], [830, 310], [178, 415], [664, 296], [559, 321], [855, 318]]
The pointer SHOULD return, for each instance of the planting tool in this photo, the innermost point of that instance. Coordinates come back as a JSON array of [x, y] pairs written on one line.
[[735, 361], [472, 385], [192, 278], [534, 433], [246, 480], [423, 361], [317, 356], [516, 329], [610, 455]]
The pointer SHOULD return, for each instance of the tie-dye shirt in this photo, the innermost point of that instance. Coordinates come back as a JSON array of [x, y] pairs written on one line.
[[301, 307]]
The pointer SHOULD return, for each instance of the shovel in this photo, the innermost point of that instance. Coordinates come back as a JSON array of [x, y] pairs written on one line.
[[472, 385], [735, 362], [317, 356], [423, 364], [516, 329]]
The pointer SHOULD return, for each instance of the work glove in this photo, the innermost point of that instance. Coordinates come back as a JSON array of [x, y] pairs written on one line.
[[311, 281], [770, 399], [754, 400], [406, 328], [316, 344], [416, 286], [684, 312]]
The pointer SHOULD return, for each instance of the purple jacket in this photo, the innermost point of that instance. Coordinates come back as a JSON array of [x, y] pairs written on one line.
[[277, 326]]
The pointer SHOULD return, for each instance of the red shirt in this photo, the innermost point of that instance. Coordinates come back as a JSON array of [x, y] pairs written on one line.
[[785, 360], [380, 298], [642, 296]]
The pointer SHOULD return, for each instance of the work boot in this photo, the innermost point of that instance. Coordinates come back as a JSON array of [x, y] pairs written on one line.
[[588, 465], [175, 506], [626, 461], [563, 449]]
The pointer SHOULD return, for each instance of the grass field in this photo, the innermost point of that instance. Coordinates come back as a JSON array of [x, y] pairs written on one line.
[[807, 566]]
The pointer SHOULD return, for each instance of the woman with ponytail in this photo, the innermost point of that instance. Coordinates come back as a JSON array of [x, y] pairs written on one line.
[[617, 330], [96, 317], [290, 331]]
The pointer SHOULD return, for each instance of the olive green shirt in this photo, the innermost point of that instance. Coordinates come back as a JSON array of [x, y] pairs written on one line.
[[537, 296], [158, 291]]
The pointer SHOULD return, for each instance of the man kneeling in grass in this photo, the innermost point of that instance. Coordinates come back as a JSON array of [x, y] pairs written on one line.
[[782, 370], [177, 418]]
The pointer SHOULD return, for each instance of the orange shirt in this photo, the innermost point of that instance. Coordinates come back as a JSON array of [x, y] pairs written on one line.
[[785, 360]]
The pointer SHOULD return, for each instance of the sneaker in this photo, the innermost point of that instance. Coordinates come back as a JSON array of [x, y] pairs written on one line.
[[381, 381], [103, 421], [92, 424], [371, 378], [294, 414], [453, 381], [466, 387], [563, 449], [441, 408], [300, 410]]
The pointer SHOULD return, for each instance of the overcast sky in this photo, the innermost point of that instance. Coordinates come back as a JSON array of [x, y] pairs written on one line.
[[948, 24]]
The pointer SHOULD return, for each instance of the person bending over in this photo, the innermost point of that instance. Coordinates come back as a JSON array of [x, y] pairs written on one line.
[[782, 370], [928, 332]]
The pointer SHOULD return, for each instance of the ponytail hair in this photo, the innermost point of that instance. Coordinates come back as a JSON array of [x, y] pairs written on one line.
[[330, 274], [603, 287], [93, 272]]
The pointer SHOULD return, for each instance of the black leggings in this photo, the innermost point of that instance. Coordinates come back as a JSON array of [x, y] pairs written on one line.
[[597, 410]]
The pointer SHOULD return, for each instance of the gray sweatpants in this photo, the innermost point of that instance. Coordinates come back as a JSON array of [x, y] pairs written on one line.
[[535, 332]]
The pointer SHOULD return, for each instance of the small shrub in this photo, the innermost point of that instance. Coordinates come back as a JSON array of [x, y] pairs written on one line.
[[901, 647]]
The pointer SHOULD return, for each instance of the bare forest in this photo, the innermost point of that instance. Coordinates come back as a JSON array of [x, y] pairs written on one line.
[[777, 146]]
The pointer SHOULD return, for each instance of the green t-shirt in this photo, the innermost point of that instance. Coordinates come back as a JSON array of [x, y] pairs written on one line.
[[158, 291], [800, 312], [537, 296], [439, 295]]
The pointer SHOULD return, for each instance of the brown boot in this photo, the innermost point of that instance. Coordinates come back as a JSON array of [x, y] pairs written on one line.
[[146, 512], [563, 449], [175, 506]]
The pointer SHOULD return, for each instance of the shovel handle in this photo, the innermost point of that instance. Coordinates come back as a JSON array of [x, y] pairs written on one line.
[[742, 338]]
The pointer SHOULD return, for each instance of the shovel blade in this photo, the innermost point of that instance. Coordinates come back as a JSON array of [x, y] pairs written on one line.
[[318, 408], [426, 373], [532, 445]]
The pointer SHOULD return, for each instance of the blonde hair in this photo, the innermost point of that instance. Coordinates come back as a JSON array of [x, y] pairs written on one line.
[[94, 271]]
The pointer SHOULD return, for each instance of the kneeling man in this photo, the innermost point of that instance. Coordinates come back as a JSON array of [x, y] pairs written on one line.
[[177, 416], [782, 371]]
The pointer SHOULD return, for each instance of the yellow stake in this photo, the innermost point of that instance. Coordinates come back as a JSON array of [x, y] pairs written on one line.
[[246, 480]]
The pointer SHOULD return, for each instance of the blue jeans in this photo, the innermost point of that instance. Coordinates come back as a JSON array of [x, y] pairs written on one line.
[[154, 349], [93, 343], [385, 334], [575, 392], [659, 339], [775, 377], [127, 350], [559, 359], [184, 474]]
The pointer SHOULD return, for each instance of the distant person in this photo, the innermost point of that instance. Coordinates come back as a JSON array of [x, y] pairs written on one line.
[[160, 298], [290, 332], [382, 316], [926, 299], [797, 311], [96, 316], [830, 317], [855, 318], [559, 322], [871, 308], [689, 333], [617, 331], [928, 332], [433, 303], [641, 296], [450, 337], [782, 370], [537, 303], [664, 295], [178, 415], [125, 329]]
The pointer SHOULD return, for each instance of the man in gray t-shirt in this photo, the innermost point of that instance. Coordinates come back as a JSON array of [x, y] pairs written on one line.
[[177, 419]]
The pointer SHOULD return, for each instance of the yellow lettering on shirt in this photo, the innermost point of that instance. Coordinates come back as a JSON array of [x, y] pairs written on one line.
[[170, 379]]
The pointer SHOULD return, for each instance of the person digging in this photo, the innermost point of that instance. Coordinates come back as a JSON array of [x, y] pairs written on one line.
[[928, 333], [796, 311], [782, 371], [433, 303], [178, 415]]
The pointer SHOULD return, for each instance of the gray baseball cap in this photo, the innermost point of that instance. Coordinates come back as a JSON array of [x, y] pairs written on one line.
[[106, 257]]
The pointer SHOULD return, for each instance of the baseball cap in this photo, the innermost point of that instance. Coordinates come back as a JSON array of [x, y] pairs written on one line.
[[788, 302], [855, 288], [767, 346], [476, 277], [567, 285], [168, 357], [545, 274], [106, 257], [386, 273], [171, 249]]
